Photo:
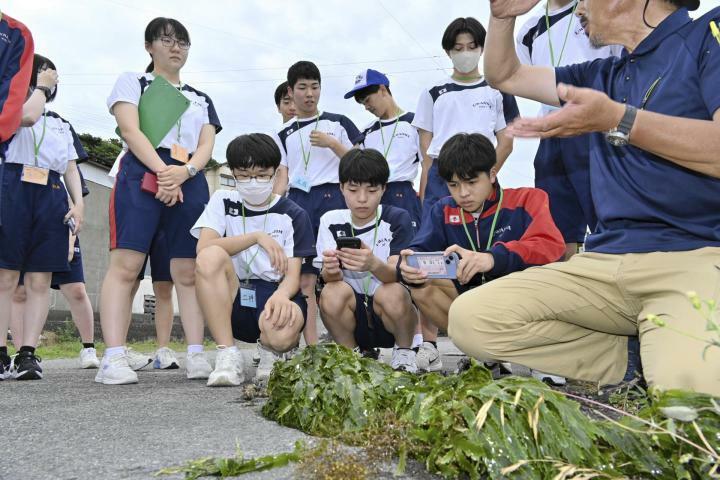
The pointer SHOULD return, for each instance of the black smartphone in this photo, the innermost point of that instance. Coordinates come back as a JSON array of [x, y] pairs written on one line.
[[348, 242]]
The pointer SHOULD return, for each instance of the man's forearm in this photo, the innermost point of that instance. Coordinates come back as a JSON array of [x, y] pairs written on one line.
[[690, 143], [501, 61]]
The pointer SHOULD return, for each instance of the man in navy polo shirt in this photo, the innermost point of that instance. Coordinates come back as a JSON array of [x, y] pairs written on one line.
[[654, 119]]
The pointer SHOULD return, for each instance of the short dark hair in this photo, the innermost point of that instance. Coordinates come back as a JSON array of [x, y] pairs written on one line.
[[302, 69], [280, 92], [466, 155], [361, 95], [463, 25], [253, 150], [164, 26], [39, 63], [364, 166]]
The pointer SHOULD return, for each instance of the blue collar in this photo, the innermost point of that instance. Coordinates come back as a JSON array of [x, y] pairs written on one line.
[[667, 27]]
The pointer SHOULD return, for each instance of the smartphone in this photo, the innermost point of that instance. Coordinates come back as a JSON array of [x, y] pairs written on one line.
[[435, 264], [70, 222], [348, 242], [149, 183]]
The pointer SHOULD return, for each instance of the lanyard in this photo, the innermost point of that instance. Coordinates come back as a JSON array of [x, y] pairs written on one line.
[[715, 30], [492, 228], [392, 137], [257, 250], [42, 138], [306, 156], [367, 279], [567, 33]]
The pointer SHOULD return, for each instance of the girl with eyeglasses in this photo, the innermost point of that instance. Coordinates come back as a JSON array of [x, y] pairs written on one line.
[[137, 213]]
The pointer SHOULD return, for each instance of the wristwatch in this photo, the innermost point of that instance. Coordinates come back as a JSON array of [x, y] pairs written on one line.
[[192, 171], [47, 91], [620, 135]]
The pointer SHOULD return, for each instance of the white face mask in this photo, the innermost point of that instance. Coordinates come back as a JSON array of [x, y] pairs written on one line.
[[466, 62], [254, 192]]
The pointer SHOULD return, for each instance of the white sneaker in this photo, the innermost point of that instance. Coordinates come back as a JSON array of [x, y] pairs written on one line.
[[88, 358], [256, 354], [197, 366], [137, 360], [228, 369], [165, 359], [116, 371], [403, 359], [266, 364], [554, 380], [428, 358]]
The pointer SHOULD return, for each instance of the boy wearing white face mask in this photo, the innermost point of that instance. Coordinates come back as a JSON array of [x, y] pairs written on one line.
[[250, 249], [463, 103]]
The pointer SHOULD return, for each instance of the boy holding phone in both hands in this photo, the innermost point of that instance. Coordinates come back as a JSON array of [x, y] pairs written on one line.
[[494, 231], [362, 304]]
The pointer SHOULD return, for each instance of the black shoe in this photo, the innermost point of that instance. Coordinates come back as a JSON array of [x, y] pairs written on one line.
[[372, 353], [27, 366], [5, 362], [634, 365]]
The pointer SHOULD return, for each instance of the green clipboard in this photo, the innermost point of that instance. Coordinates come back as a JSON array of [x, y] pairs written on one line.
[[159, 109]]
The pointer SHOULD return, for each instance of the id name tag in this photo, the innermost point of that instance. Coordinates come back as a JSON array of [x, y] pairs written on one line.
[[302, 182], [247, 296], [179, 153], [36, 175]]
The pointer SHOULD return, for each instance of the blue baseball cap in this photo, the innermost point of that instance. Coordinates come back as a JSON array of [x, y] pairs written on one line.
[[367, 78]]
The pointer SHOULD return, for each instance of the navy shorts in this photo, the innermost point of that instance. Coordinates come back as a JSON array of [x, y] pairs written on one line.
[[365, 336], [33, 237], [562, 170], [435, 189], [246, 321], [403, 195], [75, 274], [159, 260], [136, 216], [320, 200]]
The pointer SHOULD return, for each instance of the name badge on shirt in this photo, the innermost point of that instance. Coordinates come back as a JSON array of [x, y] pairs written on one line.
[[36, 175], [247, 296], [302, 182], [179, 153]]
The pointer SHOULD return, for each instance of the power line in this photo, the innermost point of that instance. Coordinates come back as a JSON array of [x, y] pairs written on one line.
[[261, 80], [259, 69]]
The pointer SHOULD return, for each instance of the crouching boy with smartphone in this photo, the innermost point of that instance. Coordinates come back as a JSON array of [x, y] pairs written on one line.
[[494, 232], [361, 302], [250, 248]]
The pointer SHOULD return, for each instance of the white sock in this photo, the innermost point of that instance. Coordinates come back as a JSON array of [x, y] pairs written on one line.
[[417, 340], [112, 351], [194, 348], [233, 348]]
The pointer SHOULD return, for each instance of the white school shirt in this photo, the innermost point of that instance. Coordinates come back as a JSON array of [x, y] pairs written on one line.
[[60, 145], [283, 220], [533, 47], [451, 107], [403, 156], [395, 231], [130, 86], [324, 164]]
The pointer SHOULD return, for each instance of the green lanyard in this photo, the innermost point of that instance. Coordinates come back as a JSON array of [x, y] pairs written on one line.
[[42, 138], [492, 228], [567, 33], [392, 137], [368, 277], [257, 250], [306, 156], [713, 28]]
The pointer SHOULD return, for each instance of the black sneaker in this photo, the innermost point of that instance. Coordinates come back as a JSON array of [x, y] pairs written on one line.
[[5, 372], [372, 353], [27, 366]]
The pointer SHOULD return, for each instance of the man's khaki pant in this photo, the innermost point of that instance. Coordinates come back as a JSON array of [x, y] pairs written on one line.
[[574, 318]]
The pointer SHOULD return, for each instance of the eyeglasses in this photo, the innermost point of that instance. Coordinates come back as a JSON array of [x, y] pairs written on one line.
[[170, 42], [258, 178]]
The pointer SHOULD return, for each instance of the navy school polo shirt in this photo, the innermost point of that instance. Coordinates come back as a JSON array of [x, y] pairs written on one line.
[[645, 203]]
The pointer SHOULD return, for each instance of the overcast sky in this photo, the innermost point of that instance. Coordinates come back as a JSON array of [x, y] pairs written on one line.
[[241, 50]]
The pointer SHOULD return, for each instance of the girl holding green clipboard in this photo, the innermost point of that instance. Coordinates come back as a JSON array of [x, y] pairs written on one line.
[[169, 128]]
